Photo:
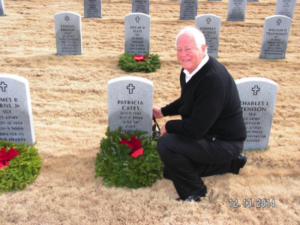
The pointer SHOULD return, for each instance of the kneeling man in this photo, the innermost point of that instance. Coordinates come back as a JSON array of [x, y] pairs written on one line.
[[208, 140]]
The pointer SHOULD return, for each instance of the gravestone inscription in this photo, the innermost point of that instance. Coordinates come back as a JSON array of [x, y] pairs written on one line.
[[252, 0], [16, 123], [140, 6], [275, 37], [285, 8], [2, 10], [188, 9], [258, 97], [236, 10], [210, 26], [68, 33], [130, 104], [92, 8], [137, 33]]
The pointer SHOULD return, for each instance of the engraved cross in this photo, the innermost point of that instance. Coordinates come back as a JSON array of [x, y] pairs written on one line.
[[130, 87], [3, 86], [255, 89]]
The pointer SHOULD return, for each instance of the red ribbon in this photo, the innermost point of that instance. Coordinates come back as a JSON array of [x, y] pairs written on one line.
[[5, 157], [140, 58], [135, 145]]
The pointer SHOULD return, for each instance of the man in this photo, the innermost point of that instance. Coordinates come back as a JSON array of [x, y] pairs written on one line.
[[209, 138]]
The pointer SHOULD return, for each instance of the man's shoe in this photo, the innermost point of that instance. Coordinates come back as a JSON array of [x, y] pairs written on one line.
[[196, 198], [238, 163]]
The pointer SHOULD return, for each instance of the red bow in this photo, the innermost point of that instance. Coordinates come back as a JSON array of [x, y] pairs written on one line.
[[135, 145], [140, 58], [5, 157]]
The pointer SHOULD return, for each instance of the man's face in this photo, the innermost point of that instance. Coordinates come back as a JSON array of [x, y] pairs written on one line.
[[188, 54]]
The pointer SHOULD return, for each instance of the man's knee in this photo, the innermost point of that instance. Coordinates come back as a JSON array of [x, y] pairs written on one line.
[[163, 144]]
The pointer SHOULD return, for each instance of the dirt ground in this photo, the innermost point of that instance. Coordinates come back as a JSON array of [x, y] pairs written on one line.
[[69, 102]]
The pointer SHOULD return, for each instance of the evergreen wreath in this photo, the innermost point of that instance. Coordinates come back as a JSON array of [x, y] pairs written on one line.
[[146, 64], [22, 169], [118, 168]]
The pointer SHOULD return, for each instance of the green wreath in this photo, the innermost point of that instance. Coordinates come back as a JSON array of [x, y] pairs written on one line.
[[117, 168], [22, 169], [149, 63]]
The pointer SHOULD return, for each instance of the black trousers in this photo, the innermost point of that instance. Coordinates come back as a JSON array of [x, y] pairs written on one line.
[[186, 160]]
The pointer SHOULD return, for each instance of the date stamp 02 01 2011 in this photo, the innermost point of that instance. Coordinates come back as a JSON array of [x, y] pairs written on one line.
[[249, 203]]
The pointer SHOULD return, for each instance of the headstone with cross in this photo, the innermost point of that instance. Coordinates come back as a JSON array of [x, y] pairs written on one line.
[[68, 33], [236, 10], [140, 6], [92, 8], [285, 8], [137, 33], [2, 10], [188, 9], [275, 37], [16, 123], [258, 97], [210, 26], [130, 104]]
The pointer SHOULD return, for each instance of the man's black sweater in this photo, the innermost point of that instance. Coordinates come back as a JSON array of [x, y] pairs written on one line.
[[209, 106]]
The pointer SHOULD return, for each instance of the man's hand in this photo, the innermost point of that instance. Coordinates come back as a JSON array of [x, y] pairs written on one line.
[[157, 112], [163, 130]]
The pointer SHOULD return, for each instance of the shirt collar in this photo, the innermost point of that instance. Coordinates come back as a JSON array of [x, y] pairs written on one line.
[[188, 75]]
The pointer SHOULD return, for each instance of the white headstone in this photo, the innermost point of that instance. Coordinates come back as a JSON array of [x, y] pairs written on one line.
[[2, 10], [137, 33], [140, 6], [210, 26], [285, 8], [130, 104], [16, 123], [258, 97], [68, 33], [275, 37], [236, 10], [92, 8], [188, 9]]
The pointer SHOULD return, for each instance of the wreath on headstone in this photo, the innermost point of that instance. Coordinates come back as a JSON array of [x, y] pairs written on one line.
[[128, 160], [20, 164], [139, 63]]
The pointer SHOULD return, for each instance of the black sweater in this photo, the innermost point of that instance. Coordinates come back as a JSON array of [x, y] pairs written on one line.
[[209, 106]]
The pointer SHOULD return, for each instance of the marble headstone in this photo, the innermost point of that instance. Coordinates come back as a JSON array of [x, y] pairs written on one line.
[[140, 6], [275, 37], [130, 104], [137, 33], [236, 10], [2, 10], [92, 8], [285, 8], [210, 26], [16, 123], [258, 97], [68, 33], [188, 9]]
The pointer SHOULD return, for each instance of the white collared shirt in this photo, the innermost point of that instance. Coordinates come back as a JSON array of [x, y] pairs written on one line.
[[188, 75]]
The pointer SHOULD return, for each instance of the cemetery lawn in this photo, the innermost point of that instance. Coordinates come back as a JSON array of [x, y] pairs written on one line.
[[69, 104]]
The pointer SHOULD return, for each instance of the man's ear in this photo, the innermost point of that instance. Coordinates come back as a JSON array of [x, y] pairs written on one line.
[[203, 49]]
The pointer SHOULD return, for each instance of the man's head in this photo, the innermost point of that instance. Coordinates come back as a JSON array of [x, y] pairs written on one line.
[[191, 48]]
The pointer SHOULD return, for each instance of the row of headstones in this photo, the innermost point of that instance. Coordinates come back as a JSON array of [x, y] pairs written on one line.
[[236, 9], [130, 101], [188, 8], [137, 34]]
